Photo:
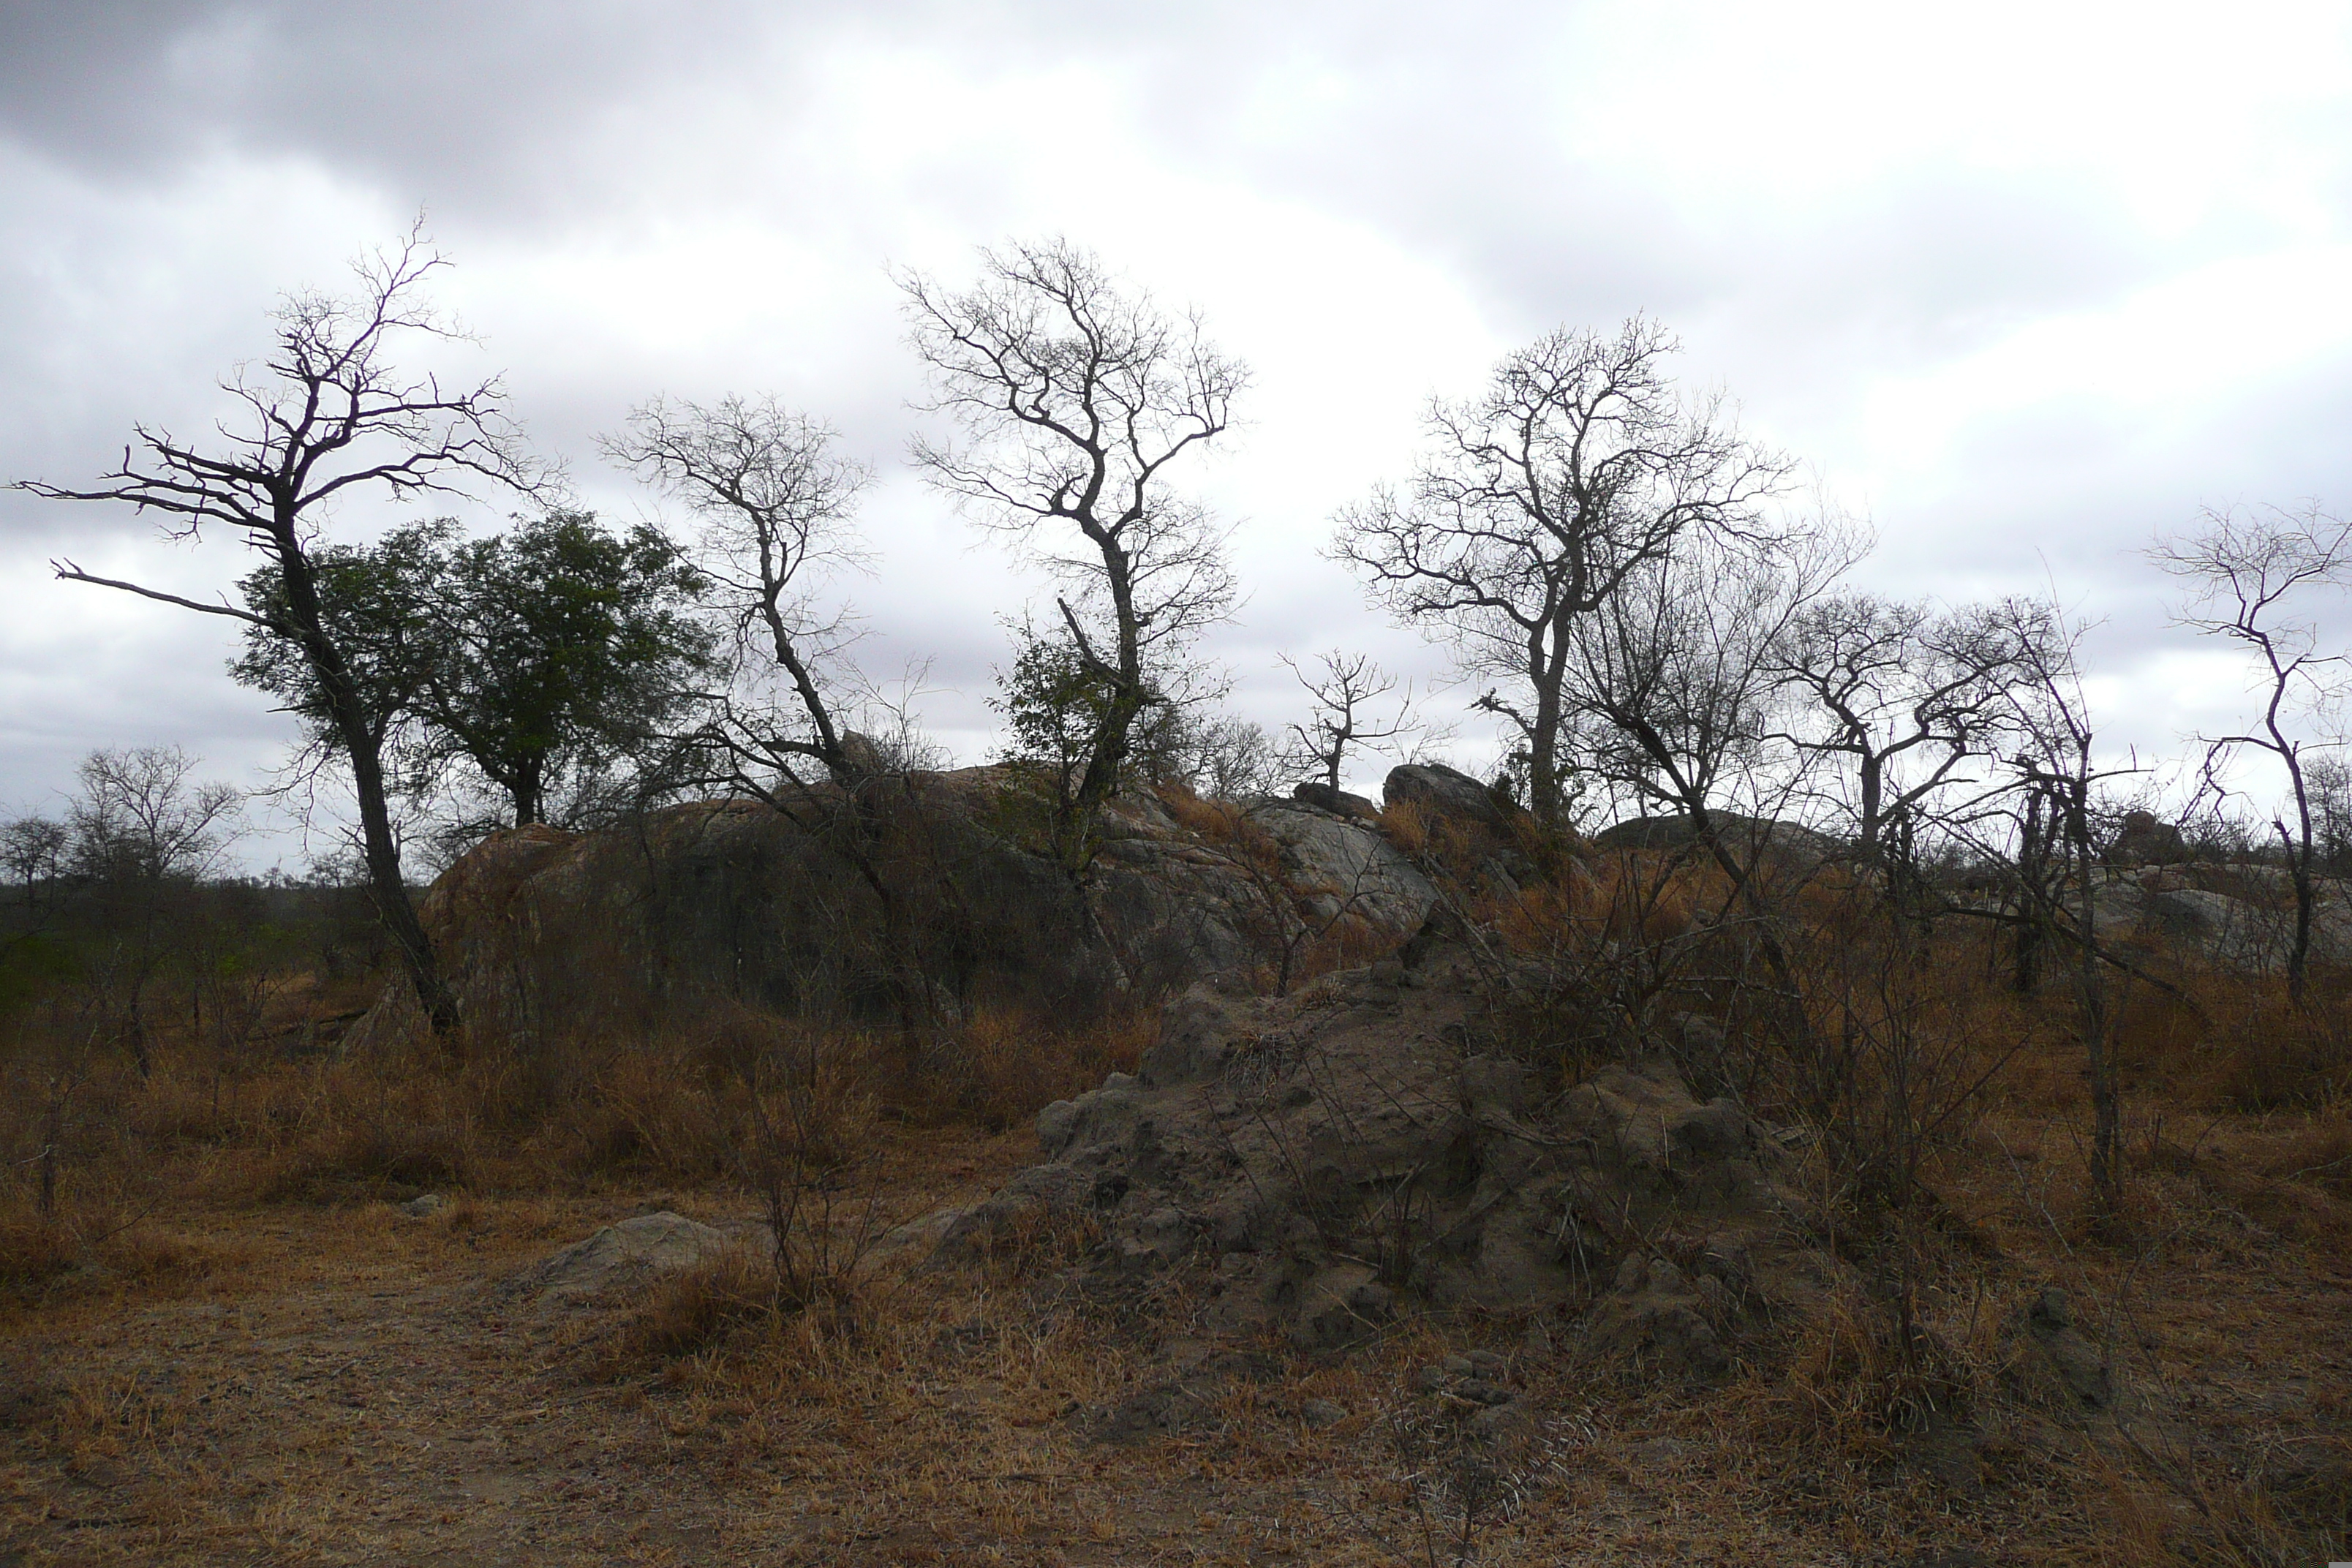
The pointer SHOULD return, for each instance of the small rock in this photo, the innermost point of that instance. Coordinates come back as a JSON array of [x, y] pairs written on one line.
[[424, 1207], [1339, 802], [1662, 1453], [1441, 790], [621, 1255], [1481, 1392], [2075, 1361], [1318, 1414], [1430, 1379], [1339, 1307], [1242, 1366], [1507, 1430], [1489, 1364], [1156, 1411], [1057, 1125]]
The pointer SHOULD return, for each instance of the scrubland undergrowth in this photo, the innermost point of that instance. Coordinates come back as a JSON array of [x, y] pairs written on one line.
[[1939, 1120]]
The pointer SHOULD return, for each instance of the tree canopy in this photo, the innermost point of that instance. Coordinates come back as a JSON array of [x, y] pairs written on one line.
[[535, 659]]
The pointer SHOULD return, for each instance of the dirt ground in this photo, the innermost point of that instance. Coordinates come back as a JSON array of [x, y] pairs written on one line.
[[344, 1384]]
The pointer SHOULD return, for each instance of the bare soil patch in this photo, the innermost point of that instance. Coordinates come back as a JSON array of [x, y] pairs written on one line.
[[348, 1384]]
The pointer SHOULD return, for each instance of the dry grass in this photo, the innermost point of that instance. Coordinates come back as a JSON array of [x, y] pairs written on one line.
[[693, 1310], [955, 1417]]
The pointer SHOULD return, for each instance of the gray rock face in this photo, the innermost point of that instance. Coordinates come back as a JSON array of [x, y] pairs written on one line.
[[742, 900], [2237, 917], [1331, 1159], [1433, 786], [1340, 869], [1339, 802], [1746, 834], [625, 1255]]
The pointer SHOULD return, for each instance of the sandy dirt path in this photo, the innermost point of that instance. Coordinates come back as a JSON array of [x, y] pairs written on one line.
[[393, 1409]]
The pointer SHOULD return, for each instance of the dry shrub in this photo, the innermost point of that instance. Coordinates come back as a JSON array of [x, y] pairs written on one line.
[[1003, 1066], [27, 1393], [2163, 1507], [647, 1111], [2292, 1209], [1210, 819], [695, 1308], [2280, 1055], [2163, 1040], [151, 1254], [822, 1080], [1034, 1244], [98, 1246], [802, 1140], [103, 1417], [1859, 1377], [2296, 1182], [464, 1215], [1408, 827], [376, 1128], [2319, 1154], [33, 1251]]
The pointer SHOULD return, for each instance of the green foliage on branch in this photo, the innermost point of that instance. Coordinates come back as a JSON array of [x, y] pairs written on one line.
[[536, 660]]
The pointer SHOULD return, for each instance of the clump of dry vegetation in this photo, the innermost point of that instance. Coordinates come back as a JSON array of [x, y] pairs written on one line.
[[2015, 1357]]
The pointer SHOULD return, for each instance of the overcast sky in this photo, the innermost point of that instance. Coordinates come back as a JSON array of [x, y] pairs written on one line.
[[2022, 283]]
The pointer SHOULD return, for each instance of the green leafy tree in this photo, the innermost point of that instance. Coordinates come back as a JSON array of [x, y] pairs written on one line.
[[378, 605], [1053, 700], [327, 417], [565, 649], [538, 658]]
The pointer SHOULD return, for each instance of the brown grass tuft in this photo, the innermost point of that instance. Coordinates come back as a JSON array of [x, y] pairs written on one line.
[[694, 1308], [34, 1251]]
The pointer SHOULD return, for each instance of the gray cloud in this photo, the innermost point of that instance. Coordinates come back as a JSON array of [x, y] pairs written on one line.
[[696, 197]]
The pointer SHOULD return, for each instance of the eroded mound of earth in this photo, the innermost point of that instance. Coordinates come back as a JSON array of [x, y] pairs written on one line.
[[1362, 1147]]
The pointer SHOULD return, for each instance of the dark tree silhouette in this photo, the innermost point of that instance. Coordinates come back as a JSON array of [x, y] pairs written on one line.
[[1579, 466], [1076, 396], [330, 417], [538, 657], [2247, 574], [1339, 718], [773, 501]]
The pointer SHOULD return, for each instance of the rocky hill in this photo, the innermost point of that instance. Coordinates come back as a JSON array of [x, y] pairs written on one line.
[[932, 889]]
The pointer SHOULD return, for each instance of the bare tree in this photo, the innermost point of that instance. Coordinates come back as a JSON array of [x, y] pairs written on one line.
[[773, 499], [33, 849], [1681, 669], [2248, 574], [1074, 396], [330, 418], [1580, 466], [774, 502], [2055, 772], [1674, 689], [140, 830], [1338, 717], [139, 817], [1902, 698]]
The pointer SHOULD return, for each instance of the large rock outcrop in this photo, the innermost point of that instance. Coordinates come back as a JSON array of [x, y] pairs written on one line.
[[938, 883], [1327, 1159], [2236, 916]]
